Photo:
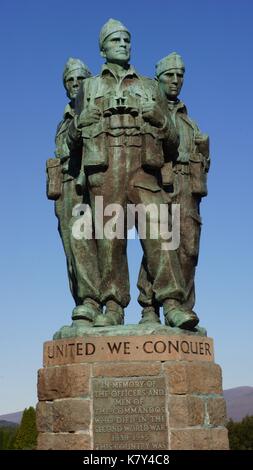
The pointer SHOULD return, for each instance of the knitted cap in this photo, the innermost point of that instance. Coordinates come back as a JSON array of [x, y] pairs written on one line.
[[111, 26], [171, 61], [75, 64]]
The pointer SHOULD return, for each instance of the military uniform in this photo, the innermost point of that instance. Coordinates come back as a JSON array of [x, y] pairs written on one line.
[[189, 186], [122, 158], [81, 254]]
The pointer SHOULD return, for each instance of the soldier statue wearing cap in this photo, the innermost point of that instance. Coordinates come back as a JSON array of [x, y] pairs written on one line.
[[187, 178], [63, 173], [122, 121]]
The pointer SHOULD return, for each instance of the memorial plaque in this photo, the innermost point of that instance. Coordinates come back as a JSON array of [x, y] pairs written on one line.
[[129, 413]]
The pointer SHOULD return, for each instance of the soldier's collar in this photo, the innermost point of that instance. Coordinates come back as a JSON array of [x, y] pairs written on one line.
[[177, 106], [128, 72], [68, 111]]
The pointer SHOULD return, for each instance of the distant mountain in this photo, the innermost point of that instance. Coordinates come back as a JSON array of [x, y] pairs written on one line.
[[12, 417], [239, 402], [7, 424]]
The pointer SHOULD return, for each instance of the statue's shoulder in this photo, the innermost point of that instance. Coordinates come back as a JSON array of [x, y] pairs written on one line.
[[192, 124], [59, 128], [63, 125], [150, 85], [90, 80], [183, 113], [150, 82], [91, 84]]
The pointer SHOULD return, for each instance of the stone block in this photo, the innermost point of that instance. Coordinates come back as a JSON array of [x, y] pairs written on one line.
[[175, 372], [200, 439], [44, 416], [71, 414], [204, 378], [219, 439], [64, 381], [216, 411], [64, 441], [123, 369], [180, 440], [193, 377], [185, 410]]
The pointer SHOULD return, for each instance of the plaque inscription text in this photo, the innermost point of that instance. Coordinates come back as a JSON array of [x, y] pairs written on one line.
[[129, 413]]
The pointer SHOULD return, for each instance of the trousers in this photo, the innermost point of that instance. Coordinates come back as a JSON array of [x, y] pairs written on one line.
[[81, 255], [125, 182]]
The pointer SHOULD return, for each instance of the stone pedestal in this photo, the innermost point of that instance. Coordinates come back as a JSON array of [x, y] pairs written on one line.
[[153, 392]]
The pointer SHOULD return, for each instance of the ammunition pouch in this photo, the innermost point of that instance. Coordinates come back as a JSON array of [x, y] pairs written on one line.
[[147, 181], [95, 151], [152, 151], [167, 174], [54, 178], [198, 175]]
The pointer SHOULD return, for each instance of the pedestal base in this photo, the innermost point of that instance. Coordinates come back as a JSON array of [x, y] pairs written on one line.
[[145, 392]]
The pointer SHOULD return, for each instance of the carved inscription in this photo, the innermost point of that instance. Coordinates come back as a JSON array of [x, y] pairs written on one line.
[[137, 348], [129, 413]]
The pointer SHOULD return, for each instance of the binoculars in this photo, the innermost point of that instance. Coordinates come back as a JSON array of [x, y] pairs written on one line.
[[121, 105]]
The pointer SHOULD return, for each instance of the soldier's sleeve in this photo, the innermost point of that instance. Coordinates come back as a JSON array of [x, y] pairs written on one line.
[[58, 139], [202, 144], [170, 139], [170, 150], [61, 148], [168, 132]]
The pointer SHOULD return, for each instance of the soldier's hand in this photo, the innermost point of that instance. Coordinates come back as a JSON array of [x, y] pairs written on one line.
[[88, 116], [152, 113], [202, 142], [201, 138]]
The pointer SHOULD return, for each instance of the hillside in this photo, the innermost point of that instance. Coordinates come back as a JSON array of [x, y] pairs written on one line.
[[239, 402], [7, 424], [12, 417]]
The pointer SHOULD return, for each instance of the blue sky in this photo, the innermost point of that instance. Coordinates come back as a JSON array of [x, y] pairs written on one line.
[[215, 39]]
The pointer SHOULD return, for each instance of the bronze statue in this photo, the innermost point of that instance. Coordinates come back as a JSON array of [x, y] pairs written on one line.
[[186, 177], [81, 255], [124, 128], [126, 140]]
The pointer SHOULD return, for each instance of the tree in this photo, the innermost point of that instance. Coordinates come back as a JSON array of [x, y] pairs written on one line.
[[7, 437], [241, 434], [26, 437]]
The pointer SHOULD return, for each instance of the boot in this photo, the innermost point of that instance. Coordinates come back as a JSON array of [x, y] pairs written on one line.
[[149, 315], [176, 316], [87, 312], [114, 315]]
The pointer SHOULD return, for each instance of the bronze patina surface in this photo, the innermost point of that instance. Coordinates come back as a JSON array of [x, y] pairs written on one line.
[[127, 140]]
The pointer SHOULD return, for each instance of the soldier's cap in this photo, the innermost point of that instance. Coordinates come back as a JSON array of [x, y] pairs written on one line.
[[111, 26], [75, 64], [171, 61]]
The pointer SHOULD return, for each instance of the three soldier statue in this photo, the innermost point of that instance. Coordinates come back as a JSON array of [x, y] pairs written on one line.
[[128, 141]]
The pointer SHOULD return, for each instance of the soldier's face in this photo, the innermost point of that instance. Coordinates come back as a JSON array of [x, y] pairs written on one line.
[[171, 82], [117, 47], [73, 82]]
